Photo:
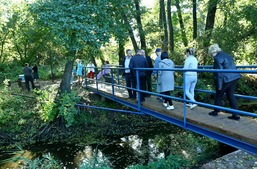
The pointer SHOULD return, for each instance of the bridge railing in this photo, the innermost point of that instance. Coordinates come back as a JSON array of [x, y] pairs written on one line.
[[116, 73]]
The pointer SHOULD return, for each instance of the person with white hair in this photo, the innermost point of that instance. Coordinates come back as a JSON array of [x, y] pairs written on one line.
[[224, 82]]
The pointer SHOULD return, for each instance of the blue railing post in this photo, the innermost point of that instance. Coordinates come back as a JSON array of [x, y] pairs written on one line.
[[118, 78], [184, 99], [96, 81], [138, 88], [112, 84]]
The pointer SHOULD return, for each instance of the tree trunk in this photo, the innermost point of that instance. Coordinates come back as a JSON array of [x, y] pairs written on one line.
[[65, 84], [184, 38], [165, 29], [161, 3], [194, 19], [121, 51], [171, 33], [212, 8], [130, 30], [139, 25]]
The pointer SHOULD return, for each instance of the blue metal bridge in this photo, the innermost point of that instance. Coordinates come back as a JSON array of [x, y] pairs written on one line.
[[240, 134]]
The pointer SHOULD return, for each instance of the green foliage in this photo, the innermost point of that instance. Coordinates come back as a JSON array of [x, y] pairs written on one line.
[[66, 107], [173, 162], [46, 106]]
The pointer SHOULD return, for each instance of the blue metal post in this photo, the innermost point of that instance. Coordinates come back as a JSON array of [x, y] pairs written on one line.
[[112, 84], [118, 76], [138, 88], [184, 98], [96, 81]]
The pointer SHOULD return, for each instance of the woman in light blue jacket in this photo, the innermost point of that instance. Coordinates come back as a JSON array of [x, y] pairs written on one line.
[[191, 77], [166, 79]]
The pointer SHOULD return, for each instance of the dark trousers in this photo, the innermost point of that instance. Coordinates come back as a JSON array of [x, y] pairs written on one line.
[[149, 84], [167, 100], [129, 83], [142, 85], [28, 78], [228, 88]]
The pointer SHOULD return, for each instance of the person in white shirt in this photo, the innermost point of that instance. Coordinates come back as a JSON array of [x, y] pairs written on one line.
[[191, 77], [127, 74], [90, 70]]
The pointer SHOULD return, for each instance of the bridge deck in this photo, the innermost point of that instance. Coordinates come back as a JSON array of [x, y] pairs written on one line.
[[244, 130]]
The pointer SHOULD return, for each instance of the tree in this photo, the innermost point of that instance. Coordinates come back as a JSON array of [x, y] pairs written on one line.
[[75, 24], [139, 25], [181, 22], [194, 19], [163, 24], [171, 32]]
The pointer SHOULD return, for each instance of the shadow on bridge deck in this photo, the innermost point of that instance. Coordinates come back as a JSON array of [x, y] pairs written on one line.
[[243, 130]]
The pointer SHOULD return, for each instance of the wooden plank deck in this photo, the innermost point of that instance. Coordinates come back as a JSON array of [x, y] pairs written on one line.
[[244, 130]]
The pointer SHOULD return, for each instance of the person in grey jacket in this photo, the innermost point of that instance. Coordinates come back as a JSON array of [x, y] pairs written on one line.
[[190, 77], [166, 79], [224, 82], [28, 76]]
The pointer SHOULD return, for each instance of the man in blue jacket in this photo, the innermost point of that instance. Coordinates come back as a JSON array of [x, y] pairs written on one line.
[[224, 82], [139, 61]]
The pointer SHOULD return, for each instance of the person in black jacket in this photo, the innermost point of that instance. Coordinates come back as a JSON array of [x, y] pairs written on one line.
[[148, 73], [139, 61], [127, 74], [224, 82], [28, 76]]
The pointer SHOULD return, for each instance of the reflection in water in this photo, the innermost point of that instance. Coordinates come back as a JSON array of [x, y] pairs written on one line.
[[118, 154]]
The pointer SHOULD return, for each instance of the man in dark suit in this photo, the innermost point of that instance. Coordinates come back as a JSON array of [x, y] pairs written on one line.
[[148, 73], [139, 61], [127, 74]]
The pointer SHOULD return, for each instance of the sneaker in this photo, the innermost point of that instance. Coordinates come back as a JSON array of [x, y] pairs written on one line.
[[234, 117], [213, 113], [188, 105], [192, 106], [170, 108], [165, 104]]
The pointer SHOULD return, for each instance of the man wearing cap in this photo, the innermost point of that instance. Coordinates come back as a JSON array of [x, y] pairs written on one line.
[[157, 60], [224, 82]]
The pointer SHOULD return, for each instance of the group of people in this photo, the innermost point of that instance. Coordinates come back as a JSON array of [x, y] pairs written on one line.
[[79, 71], [28, 71], [224, 82]]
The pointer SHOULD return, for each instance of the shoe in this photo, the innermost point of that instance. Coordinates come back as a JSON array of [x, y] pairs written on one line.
[[213, 113], [170, 108], [192, 106], [165, 104], [234, 117], [188, 105]]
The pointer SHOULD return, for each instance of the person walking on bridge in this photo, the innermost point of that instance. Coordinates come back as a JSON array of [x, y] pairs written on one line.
[[190, 77], [224, 82], [139, 61], [165, 82]]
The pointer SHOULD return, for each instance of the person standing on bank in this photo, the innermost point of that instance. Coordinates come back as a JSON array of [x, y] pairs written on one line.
[[190, 77], [35, 72], [28, 77], [165, 83], [139, 61], [224, 82], [127, 74], [148, 73]]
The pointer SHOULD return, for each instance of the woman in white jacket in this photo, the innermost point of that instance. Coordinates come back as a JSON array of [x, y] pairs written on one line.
[[191, 77]]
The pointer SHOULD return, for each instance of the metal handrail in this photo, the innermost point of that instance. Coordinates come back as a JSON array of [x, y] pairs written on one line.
[[184, 100]]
